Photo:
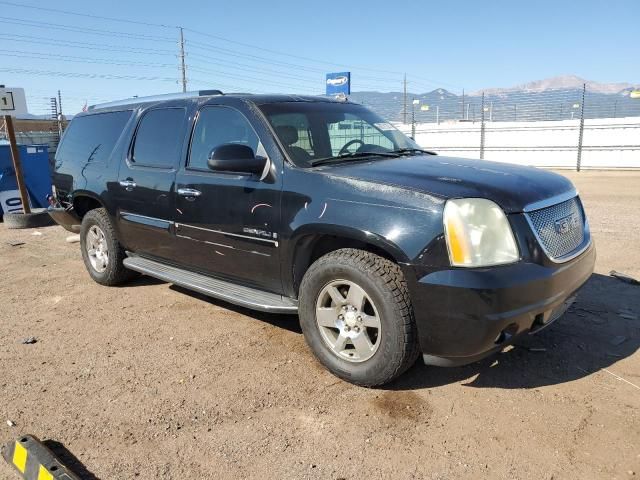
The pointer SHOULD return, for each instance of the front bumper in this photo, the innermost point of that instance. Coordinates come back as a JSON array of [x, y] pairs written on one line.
[[464, 315]]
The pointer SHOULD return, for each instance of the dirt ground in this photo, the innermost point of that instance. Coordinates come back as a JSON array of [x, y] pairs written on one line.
[[151, 381]]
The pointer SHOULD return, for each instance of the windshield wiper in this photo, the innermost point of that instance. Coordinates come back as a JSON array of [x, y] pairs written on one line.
[[345, 156], [412, 151]]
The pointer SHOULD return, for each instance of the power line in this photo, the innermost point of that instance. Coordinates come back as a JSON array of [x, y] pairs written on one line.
[[80, 59], [140, 50], [300, 57], [259, 59], [106, 76], [92, 46], [72, 28], [307, 65], [84, 60], [86, 15], [241, 67], [217, 37], [240, 77], [236, 53]]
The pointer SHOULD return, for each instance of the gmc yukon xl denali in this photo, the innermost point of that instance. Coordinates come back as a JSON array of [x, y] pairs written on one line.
[[318, 207]]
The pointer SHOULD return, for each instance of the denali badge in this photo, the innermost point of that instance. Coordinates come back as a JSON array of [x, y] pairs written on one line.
[[566, 224]]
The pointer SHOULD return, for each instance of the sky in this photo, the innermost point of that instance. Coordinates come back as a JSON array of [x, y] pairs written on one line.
[[286, 46]]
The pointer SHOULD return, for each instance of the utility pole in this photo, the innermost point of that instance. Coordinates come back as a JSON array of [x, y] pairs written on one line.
[[183, 68], [404, 101], [438, 114], [462, 116]]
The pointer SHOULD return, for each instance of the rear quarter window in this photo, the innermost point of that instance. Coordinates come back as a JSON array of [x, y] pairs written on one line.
[[91, 138]]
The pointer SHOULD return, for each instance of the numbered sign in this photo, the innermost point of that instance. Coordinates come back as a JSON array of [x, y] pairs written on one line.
[[10, 201], [6, 100]]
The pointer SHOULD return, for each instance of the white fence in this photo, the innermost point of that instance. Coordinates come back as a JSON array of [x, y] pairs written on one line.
[[608, 143]]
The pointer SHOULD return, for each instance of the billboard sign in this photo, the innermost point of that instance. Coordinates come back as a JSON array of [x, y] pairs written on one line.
[[338, 83]]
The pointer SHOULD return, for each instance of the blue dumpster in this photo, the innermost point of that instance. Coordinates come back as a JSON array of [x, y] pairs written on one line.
[[37, 177]]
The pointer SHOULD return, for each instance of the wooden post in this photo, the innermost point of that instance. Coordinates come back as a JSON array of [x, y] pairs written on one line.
[[17, 166]]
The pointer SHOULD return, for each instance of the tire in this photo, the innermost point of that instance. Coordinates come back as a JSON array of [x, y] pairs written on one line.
[[39, 217], [104, 269], [387, 303]]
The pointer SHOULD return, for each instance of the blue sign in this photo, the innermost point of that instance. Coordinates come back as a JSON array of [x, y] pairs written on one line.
[[338, 83]]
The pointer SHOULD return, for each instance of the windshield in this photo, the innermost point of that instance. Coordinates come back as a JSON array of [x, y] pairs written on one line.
[[313, 131]]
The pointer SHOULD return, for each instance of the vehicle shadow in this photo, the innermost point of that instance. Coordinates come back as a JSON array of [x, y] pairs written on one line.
[[69, 460], [286, 322], [600, 329]]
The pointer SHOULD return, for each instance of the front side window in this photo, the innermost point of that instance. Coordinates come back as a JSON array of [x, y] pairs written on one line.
[[312, 131], [158, 141], [218, 126]]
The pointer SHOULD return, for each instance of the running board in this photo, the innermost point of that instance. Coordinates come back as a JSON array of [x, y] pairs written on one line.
[[213, 287]]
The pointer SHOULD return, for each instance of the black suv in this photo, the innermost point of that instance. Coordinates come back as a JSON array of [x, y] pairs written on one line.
[[319, 207]]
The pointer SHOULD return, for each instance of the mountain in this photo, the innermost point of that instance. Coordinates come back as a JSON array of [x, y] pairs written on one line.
[[562, 82], [557, 98]]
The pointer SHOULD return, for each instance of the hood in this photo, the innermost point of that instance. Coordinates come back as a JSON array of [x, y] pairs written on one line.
[[510, 186]]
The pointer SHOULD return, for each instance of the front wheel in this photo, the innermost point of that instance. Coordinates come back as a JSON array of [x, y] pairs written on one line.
[[357, 317]]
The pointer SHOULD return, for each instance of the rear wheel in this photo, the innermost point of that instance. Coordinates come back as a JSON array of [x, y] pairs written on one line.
[[357, 318], [101, 251]]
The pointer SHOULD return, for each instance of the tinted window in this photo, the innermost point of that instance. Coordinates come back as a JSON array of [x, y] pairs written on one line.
[[159, 138], [217, 126], [91, 138]]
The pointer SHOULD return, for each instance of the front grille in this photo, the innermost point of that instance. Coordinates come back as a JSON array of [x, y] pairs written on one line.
[[560, 228]]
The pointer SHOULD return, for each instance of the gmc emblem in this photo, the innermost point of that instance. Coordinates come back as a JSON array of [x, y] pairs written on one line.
[[566, 224]]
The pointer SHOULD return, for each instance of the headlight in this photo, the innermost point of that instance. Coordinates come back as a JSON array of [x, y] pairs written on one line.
[[478, 233]]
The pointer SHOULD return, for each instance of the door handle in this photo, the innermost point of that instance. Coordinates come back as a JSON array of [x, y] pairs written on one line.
[[189, 193], [128, 184]]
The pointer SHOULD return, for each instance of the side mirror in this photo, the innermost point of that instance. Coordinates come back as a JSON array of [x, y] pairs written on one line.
[[233, 157]]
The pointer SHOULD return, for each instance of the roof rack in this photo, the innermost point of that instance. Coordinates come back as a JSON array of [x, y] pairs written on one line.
[[156, 98]]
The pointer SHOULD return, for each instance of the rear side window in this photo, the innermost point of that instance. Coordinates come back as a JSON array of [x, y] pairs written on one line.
[[159, 137], [91, 138]]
